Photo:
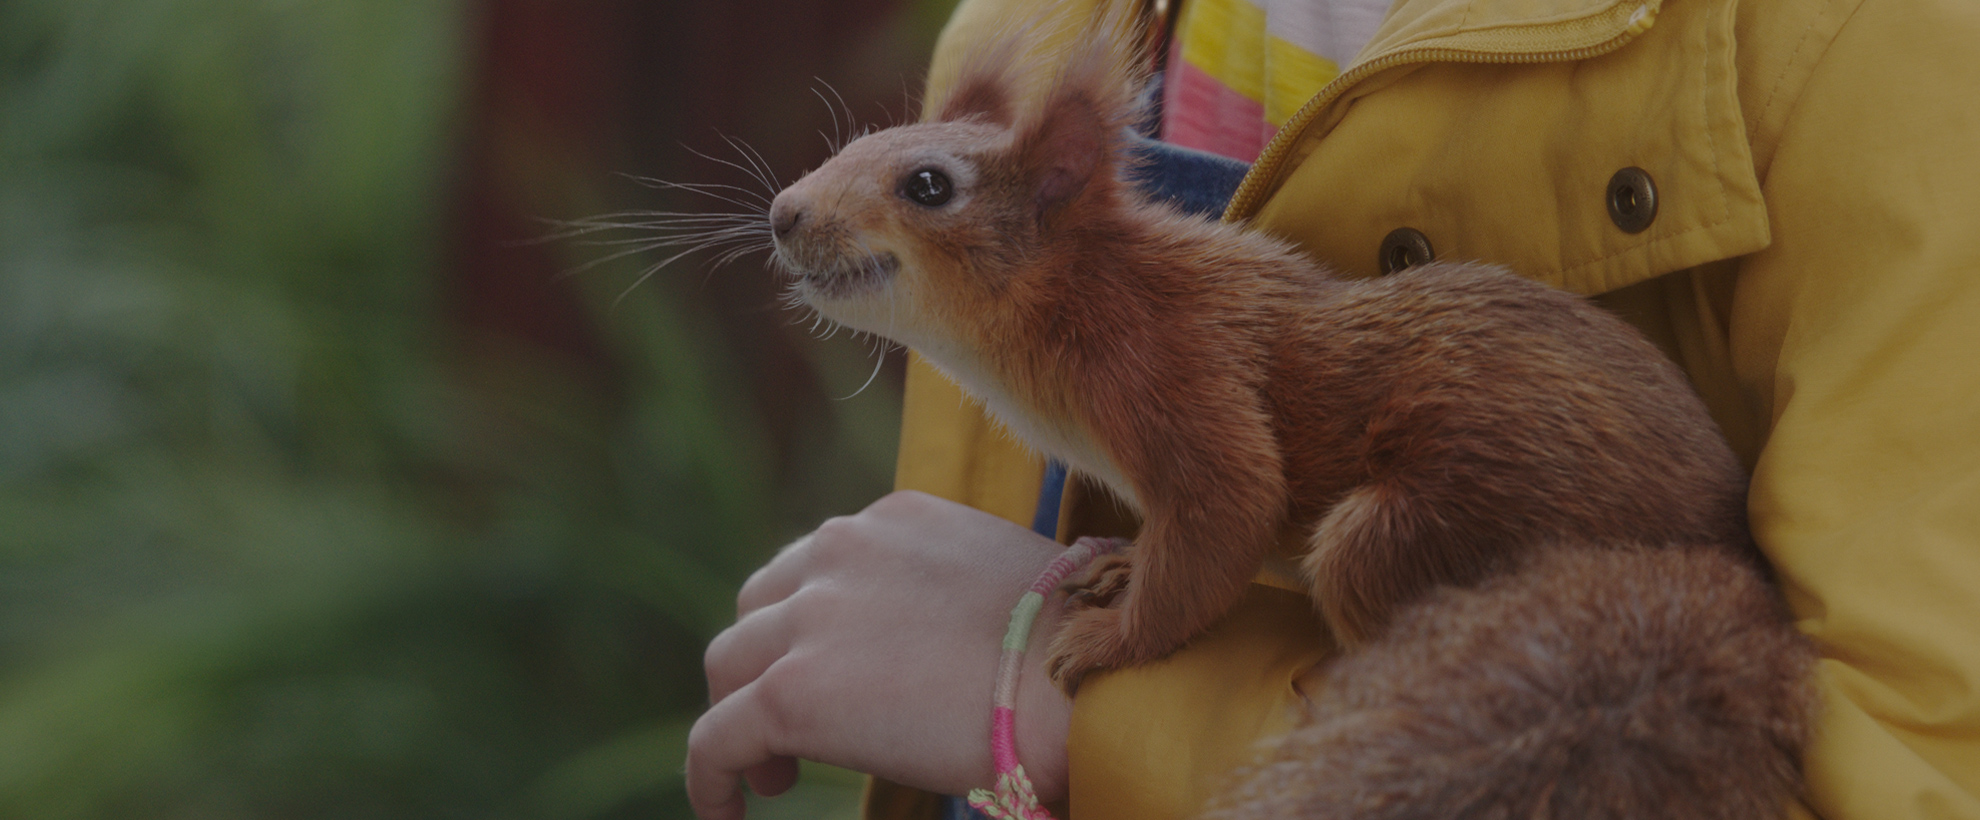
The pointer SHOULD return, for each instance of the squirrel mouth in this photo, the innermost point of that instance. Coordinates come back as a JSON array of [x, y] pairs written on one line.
[[843, 277]]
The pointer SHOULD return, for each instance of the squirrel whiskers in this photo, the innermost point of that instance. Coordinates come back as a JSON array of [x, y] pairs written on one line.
[[720, 238], [636, 233]]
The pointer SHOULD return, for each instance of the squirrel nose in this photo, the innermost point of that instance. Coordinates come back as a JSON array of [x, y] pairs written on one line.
[[784, 217]]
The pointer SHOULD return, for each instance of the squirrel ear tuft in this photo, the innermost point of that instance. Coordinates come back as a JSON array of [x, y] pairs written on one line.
[[983, 88], [977, 96]]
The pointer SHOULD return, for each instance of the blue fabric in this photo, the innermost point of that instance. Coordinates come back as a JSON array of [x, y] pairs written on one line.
[[1045, 521], [956, 808], [1198, 182]]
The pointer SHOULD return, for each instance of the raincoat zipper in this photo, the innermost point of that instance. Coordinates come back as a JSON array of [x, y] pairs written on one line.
[[1251, 190]]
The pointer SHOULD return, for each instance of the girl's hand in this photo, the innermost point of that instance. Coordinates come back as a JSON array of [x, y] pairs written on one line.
[[872, 644]]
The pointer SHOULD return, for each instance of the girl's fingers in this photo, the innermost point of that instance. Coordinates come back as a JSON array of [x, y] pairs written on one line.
[[739, 655], [774, 581], [730, 738], [772, 777]]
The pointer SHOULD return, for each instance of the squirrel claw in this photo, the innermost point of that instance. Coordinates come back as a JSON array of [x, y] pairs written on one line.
[[1089, 640], [1100, 586]]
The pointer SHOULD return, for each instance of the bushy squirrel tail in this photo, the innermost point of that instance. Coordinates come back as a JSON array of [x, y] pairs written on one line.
[[1591, 683]]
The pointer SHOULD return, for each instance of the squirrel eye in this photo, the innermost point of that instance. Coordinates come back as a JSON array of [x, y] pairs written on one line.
[[928, 187]]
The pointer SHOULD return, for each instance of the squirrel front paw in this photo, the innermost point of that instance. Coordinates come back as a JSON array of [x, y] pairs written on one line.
[[1092, 635], [1089, 640]]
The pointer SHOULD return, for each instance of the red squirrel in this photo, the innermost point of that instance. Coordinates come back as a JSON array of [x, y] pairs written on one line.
[[1518, 521]]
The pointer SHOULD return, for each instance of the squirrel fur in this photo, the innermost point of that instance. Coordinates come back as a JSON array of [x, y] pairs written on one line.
[[1518, 521]]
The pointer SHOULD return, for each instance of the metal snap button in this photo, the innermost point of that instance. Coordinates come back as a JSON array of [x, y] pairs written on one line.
[[1404, 248], [1632, 200]]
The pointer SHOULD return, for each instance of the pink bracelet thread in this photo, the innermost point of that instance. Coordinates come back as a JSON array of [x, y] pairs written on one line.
[[1013, 797]]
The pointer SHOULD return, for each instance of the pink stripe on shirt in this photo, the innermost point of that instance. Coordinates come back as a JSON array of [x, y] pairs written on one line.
[[1200, 112]]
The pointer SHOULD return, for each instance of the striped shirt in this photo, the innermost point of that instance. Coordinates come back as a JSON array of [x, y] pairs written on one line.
[[1238, 69]]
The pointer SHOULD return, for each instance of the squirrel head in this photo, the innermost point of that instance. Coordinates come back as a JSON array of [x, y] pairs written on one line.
[[928, 233]]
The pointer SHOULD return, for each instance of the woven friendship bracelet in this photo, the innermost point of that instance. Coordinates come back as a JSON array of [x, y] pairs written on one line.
[[1013, 798]]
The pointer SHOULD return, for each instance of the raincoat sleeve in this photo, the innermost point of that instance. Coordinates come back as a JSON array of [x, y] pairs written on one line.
[[1857, 336]]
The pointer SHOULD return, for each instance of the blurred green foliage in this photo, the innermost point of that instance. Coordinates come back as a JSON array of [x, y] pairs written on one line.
[[271, 544]]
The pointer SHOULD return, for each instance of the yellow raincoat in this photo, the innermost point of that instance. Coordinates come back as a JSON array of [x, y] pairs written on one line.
[[1814, 264]]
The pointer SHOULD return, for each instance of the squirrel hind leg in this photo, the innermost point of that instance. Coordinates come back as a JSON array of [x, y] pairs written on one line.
[[1377, 550]]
